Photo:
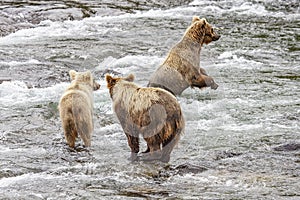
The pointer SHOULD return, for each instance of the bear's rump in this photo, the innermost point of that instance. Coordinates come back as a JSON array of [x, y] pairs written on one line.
[[170, 79], [158, 121]]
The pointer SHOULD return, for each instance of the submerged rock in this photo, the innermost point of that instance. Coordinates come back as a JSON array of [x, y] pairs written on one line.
[[2, 79], [226, 154], [288, 147], [189, 168], [181, 170]]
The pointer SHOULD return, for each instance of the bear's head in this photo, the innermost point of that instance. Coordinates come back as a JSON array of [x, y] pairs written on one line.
[[201, 31], [84, 77], [112, 81]]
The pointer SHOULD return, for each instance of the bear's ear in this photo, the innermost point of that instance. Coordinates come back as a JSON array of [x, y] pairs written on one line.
[[195, 18], [204, 22], [129, 78], [88, 76], [110, 80], [72, 74]]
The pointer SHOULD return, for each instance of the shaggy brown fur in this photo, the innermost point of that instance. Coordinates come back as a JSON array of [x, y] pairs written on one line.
[[152, 112], [181, 69], [76, 108]]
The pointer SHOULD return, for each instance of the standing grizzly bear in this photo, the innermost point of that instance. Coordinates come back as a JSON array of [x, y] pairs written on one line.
[[76, 108], [152, 112], [181, 69]]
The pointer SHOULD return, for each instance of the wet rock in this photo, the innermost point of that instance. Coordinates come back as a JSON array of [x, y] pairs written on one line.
[[2, 79], [6, 173], [19, 14], [288, 147], [51, 78], [189, 168], [181, 170], [145, 193], [102, 73], [226, 154], [44, 76]]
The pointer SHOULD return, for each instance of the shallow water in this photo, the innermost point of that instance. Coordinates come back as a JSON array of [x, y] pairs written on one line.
[[241, 140]]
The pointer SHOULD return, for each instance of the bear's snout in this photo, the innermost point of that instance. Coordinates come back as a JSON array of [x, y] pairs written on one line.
[[216, 37], [96, 86], [214, 86]]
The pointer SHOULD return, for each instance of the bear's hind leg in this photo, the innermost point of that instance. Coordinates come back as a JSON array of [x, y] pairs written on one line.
[[153, 151], [70, 132], [167, 148], [85, 129], [133, 143]]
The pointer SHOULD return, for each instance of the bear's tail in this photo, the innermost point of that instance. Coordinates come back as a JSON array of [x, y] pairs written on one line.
[[83, 118]]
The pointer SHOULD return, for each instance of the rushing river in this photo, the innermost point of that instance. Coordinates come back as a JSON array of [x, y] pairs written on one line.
[[242, 141]]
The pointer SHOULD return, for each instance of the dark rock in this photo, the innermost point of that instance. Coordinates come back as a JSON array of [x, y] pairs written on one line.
[[226, 154], [288, 147], [181, 170]]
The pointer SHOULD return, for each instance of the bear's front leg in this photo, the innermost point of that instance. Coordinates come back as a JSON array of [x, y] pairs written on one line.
[[204, 81], [133, 143]]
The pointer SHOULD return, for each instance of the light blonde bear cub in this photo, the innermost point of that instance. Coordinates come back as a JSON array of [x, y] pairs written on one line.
[[76, 108], [153, 113]]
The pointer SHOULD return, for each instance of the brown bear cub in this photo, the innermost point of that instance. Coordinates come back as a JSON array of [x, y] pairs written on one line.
[[181, 69], [152, 112], [76, 108]]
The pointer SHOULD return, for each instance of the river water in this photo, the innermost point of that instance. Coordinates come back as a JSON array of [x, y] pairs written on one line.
[[242, 141]]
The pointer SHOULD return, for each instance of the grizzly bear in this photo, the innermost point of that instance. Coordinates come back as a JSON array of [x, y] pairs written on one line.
[[152, 112], [76, 108], [181, 69]]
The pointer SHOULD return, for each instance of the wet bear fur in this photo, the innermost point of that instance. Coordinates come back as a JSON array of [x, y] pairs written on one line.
[[181, 69], [153, 113], [76, 108]]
